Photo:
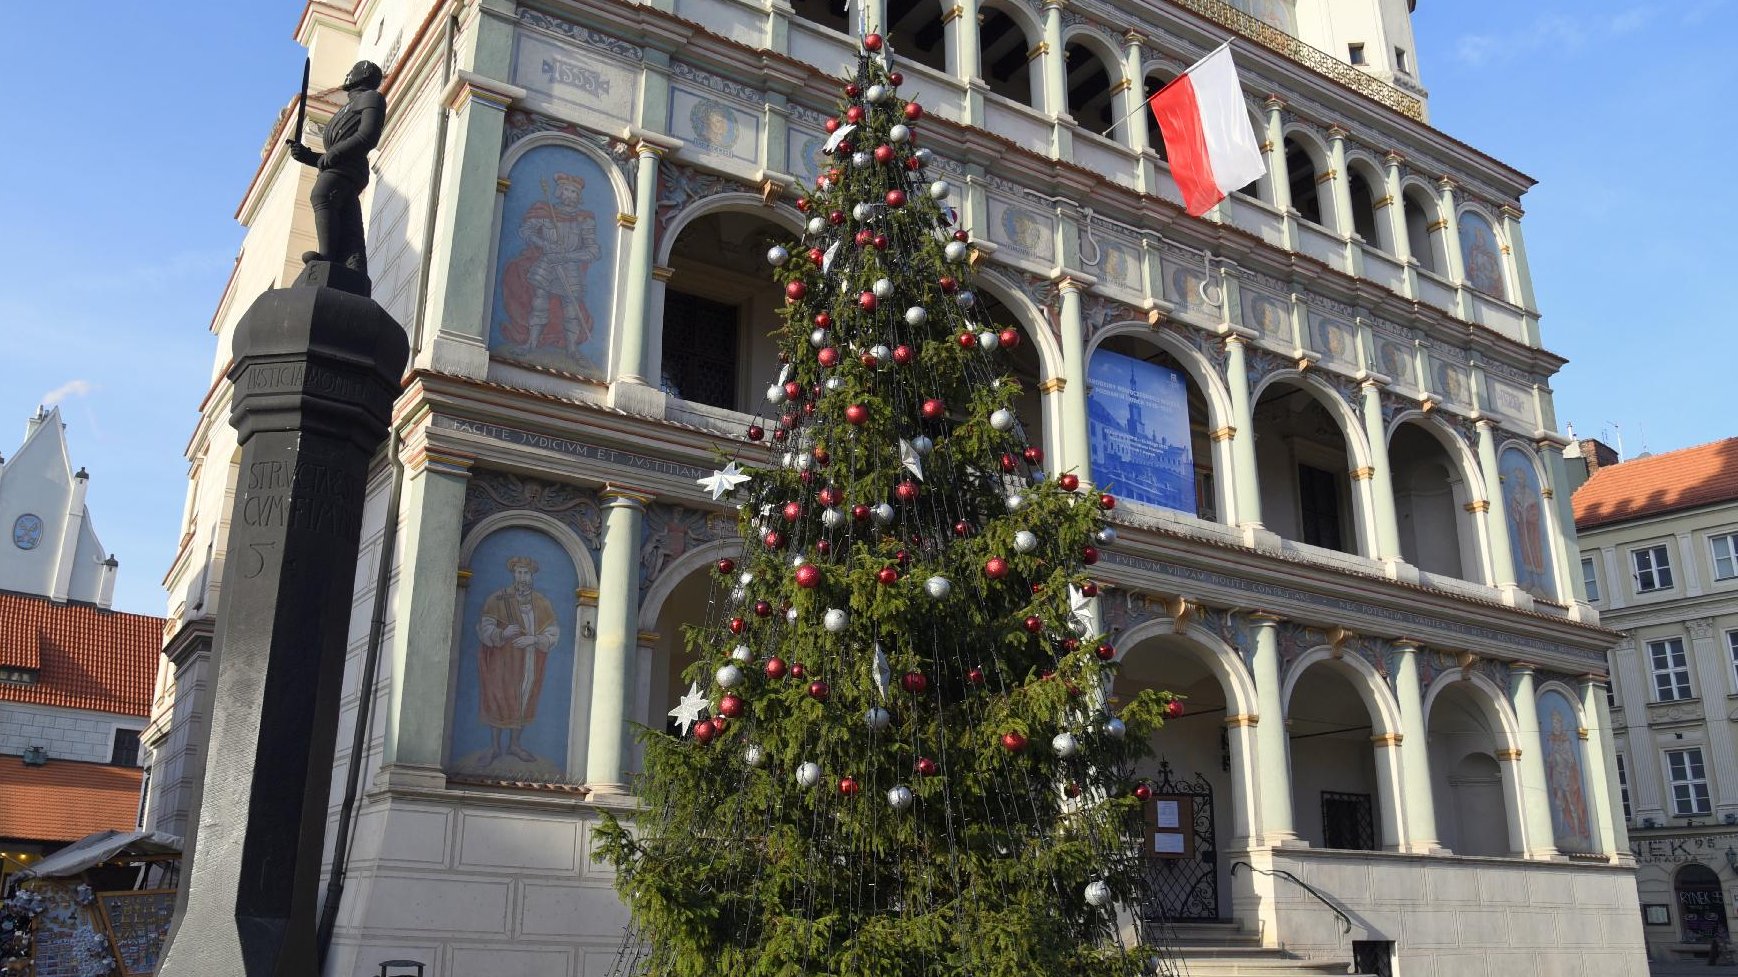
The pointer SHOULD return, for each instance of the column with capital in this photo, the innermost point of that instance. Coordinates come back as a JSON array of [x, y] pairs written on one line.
[[1597, 709], [1496, 525], [618, 617], [1381, 475], [1054, 68], [1570, 586], [1414, 750], [636, 323], [1076, 454], [1272, 750], [1521, 274], [1456, 264], [1244, 481], [1341, 182], [1536, 801], [1240, 739], [1131, 96], [1278, 174], [1593, 749], [1514, 799], [961, 23], [1395, 214], [1390, 789]]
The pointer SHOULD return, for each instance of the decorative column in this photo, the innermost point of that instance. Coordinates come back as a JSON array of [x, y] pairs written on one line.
[[1514, 799], [1520, 274], [1077, 451], [1389, 789], [1381, 475], [1569, 583], [1244, 480], [961, 20], [1453, 260], [1599, 796], [618, 613], [1606, 760], [1342, 183], [1278, 177], [631, 365], [1272, 750], [1536, 801], [1130, 107], [1054, 66], [1240, 738], [1394, 212], [1414, 750], [645, 679], [1496, 526]]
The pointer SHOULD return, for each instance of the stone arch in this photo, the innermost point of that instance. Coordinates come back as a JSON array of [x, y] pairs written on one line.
[[917, 31], [1421, 210], [737, 201], [575, 547], [1312, 478], [1371, 687], [1006, 82], [652, 603], [1470, 529], [1465, 810], [1308, 196], [1368, 220], [1343, 412], [618, 180], [1095, 111], [1210, 650], [1346, 787], [1034, 325]]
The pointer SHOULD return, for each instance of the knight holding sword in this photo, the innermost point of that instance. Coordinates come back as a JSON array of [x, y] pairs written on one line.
[[545, 282], [353, 131]]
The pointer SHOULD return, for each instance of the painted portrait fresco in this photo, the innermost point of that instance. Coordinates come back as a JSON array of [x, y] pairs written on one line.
[[1565, 773], [555, 263], [1119, 265], [804, 157], [1396, 361], [1265, 314], [1023, 231], [1481, 255], [1452, 382], [1183, 288], [1336, 341], [1139, 419], [513, 698], [1524, 511]]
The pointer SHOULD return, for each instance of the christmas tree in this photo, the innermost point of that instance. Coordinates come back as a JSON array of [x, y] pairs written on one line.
[[897, 755]]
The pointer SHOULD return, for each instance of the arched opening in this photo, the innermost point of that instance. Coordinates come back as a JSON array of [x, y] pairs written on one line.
[[1195, 751], [1156, 136], [825, 13], [1335, 802], [1364, 222], [1089, 99], [1701, 903], [1150, 428], [661, 685], [1003, 47], [916, 31], [717, 305], [1430, 505], [1471, 790], [1301, 169], [1421, 239], [1302, 462]]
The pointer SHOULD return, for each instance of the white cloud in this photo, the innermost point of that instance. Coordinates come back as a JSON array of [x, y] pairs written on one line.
[[71, 388], [1554, 32]]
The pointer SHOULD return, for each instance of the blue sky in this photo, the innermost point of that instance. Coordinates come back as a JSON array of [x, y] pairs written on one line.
[[119, 231]]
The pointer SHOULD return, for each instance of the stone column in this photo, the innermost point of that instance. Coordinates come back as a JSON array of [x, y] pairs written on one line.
[[1569, 583], [1414, 750], [631, 365], [1536, 801], [962, 20], [1395, 214], [1244, 479], [1273, 752], [1454, 262], [1077, 454], [1389, 790], [1600, 798], [1278, 176], [645, 710], [1521, 273], [1609, 798], [1054, 66], [618, 618], [1341, 182], [1496, 526], [1381, 475], [1514, 799], [1241, 740], [1130, 107]]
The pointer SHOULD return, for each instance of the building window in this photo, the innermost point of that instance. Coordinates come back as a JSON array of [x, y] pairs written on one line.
[[1348, 821], [1725, 555], [1671, 669], [1319, 502], [1400, 64], [1589, 578], [1732, 648], [126, 749], [700, 349], [1623, 787], [1355, 53], [1689, 782], [1653, 569]]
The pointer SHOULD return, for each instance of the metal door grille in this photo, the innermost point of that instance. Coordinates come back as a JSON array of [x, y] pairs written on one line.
[[1186, 888]]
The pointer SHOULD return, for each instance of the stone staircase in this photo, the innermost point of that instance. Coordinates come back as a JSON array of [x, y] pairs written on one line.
[[1226, 950]]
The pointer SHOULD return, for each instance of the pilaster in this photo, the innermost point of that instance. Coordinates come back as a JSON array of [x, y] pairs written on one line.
[[618, 613], [1240, 740], [1395, 215], [1536, 801], [1273, 753], [1055, 70], [1278, 175], [1414, 751], [1496, 527], [631, 344], [1381, 475], [1594, 749], [1453, 260], [1389, 790], [1075, 443], [1521, 274], [1342, 194], [1244, 482]]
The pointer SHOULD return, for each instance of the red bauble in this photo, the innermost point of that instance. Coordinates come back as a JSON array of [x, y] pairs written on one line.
[[962, 528], [1008, 462], [1105, 652], [961, 236], [1037, 588], [881, 242], [763, 608], [863, 237], [819, 691], [895, 79], [854, 114], [853, 90], [975, 675], [732, 706], [737, 625], [776, 668], [848, 786], [821, 456], [996, 568], [903, 354], [868, 360], [1033, 455], [948, 283], [828, 496], [967, 340], [1010, 337], [823, 320], [914, 682], [798, 671], [773, 539], [1013, 742], [896, 198], [823, 547], [872, 42], [866, 301], [719, 724], [756, 432], [727, 565], [817, 255], [887, 576], [803, 204], [794, 291], [926, 767], [883, 154], [860, 512], [703, 733], [836, 217], [902, 556], [787, 421], [793, 390], [913, 164], [828, 356], [856, 414], [1089, 555], [1144, 791], [831, 125], [1174, 708], [913, 111], [906, 491], [808, 576], [1069, 482], [1106, 501], [1070, 644], [934, 409], [1034, 623], [809, 476], [1089, 589], [779, 434]]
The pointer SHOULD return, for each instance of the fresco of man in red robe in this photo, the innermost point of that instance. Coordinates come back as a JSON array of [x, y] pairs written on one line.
[[544, 287], [517, 629]]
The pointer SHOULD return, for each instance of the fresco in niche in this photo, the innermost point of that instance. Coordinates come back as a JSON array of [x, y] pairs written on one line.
[[1565, 773], [804, 157], [713, 127], [1524, 511], [1023, 231], [555, 264], [1273, 13], [1336, 341], [1265, 314], [1396, 361], [1453, 384], [1120, 265], [1183, 289], [513, 699], [1482, 255]]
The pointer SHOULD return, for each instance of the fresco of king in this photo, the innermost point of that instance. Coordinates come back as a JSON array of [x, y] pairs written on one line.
[[1565, 778], [1524, 511]]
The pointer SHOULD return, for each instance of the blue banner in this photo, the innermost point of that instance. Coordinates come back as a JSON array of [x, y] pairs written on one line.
[[1139, 421]]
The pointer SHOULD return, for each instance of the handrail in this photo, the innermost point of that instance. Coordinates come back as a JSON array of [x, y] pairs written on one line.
[[1280, 873]]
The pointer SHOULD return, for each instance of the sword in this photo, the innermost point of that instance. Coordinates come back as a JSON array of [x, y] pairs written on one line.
[[302, 103]]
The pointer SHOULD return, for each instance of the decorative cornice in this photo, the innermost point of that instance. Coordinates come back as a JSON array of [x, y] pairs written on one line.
[[613, 495], [1478, 506], [1441, 223], [1053, 385], [1225, 433]]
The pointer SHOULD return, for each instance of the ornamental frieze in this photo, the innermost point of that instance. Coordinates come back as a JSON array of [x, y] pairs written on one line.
[[489, 492], [670, 531]]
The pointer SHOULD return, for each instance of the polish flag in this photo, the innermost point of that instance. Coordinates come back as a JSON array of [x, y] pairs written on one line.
[[1208, 137]]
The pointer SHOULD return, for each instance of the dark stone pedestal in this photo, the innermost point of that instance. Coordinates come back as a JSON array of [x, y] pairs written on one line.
[[317, 367]]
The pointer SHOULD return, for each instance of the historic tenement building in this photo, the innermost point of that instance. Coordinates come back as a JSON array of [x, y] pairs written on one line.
[[1659, 558], [1357, 559]]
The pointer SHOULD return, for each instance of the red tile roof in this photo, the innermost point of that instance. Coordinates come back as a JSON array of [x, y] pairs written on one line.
[[1651, 486], [87, 658], [64, 801]]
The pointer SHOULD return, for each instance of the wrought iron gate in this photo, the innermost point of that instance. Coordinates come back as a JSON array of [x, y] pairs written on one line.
[[1186, 888]]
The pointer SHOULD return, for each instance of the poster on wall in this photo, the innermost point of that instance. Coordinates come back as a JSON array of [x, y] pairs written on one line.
[[1524, 512], [1139, 418], [555, 264], [1565, 773], [513, 697]]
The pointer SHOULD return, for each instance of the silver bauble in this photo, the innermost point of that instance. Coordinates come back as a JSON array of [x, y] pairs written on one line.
[[818, 338], [791, 615], [917, 315], [754, 756], [875, 93], [922, 445], [1025, 541], [881, 353], [809, 774], [899, 798], [745, 578], [965, 300], [900, 133], [798, 560], [955, 251], [1114, 728], [1065, 744], [742, 654], [728, 676], [835, 620], [939, 190], [883, 288], [988, 340], [938, 587], [1015, 501], [882, 513], [833, 518], [1097, 894], [737, 595], [1002, 419], [924, 156], [861, 159], [834, 383], [1106, 536], [877, 718], [861, 211], [775, 394], [817, 225], [777, 256], [804, 463]]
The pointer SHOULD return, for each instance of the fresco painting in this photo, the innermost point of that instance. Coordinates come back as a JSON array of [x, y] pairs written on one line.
[[1524, 511], [1565, 773]]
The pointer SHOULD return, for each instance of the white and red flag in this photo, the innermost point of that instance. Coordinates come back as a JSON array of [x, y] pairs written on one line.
[[1209, 141]]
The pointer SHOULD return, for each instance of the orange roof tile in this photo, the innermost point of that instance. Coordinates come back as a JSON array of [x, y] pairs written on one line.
[[64, 801], [87, 658], [1651, 486]]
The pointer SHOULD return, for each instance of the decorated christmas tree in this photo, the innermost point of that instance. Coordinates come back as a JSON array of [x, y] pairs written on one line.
[[898, 756]]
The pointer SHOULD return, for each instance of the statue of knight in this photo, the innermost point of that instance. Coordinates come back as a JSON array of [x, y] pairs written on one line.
[[352, 132]]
